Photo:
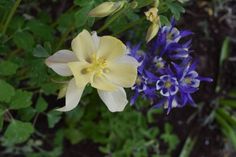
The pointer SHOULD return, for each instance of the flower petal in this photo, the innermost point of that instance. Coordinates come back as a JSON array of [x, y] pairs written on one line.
[[79, 70], [110, 48], [58, 62], [83, 46], [96, 39], [73, 95], [115, 100], [122, 74], [102, 83], [127, 59]]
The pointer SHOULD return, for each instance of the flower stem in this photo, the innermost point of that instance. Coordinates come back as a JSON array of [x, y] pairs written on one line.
[[13, 10]]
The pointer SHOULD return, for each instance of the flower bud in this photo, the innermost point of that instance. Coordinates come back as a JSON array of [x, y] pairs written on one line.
[[151, 15], [106, 9], [152, 31], [62, 92]]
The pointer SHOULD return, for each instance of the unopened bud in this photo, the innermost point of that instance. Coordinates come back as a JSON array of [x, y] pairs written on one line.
[[106, 9], [151, 14], [152, 31]]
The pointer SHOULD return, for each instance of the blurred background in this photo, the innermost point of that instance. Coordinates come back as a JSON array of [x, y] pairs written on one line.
[[31, 30]]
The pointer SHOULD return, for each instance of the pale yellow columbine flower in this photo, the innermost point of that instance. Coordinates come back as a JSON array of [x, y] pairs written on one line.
[[152, 16], [100, 61], [106, 9]]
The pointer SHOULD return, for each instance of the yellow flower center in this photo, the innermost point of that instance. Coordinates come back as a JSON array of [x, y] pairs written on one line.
[[97, 65], [170, 36], [187, 80], [167, 84], [159, 65]]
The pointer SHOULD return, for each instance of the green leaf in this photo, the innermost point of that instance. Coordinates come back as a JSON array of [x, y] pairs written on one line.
[[7, 68], [168, 137], [164, 20], [226, 115], [143, 3], [1, 118], [74, 116], [228, 102], [224, 54], [228, 131], [53, 118], [24, 40], [26, 114], [16, 22], [41, 105], [37, 72], [81, 16], [66, 20], [21, 99], [6, 92], [188, 147], [40, 51], [119, 24], [50, 88], [151, 115], [74, 135], [175, 9], [41, 30], [18, 132]]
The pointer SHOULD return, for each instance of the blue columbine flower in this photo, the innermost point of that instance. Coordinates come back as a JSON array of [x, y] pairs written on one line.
[[189, 83], [168, 85], [167, 75], [168, 43]]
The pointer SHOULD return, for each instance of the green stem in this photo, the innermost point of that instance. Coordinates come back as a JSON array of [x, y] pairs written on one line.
[[188, 146], [12, 12], [3, 19], [10, 115], [112, 19]]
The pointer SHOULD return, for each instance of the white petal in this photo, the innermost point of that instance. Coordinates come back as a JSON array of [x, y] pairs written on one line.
[[115, 100], [83, 46], [73, 95], [123, 71], [110, 48], [122, 74], [58, 62], [174, 104], [102, 83], [96, 39], [127, 59]]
